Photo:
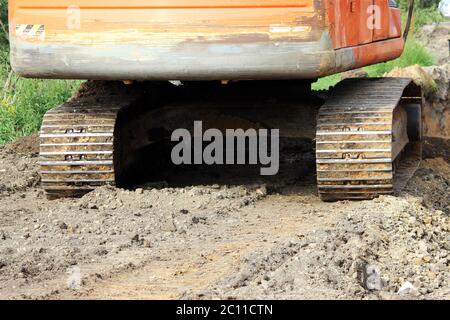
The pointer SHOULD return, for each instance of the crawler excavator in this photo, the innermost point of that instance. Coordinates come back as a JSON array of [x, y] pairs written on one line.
[[245, 63]]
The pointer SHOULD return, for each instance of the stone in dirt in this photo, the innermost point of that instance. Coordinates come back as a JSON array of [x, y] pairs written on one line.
[[408, 288], [372, 278]]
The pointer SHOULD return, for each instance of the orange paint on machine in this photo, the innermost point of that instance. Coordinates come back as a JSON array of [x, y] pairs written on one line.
[[251, 39]]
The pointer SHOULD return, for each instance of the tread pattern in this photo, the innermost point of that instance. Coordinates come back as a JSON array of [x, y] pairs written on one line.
[[77, 140], [355, 137], [77, 146]]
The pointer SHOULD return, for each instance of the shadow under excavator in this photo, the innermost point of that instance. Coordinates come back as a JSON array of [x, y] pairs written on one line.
[[146, 146], [296, 169]]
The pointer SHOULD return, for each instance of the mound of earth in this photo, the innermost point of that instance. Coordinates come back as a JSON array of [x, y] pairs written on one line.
[[370, 253], [19, 165], [435, 82], [435, 38]]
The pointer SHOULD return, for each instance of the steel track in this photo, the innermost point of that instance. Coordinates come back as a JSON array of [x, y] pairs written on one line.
[[355, 142]]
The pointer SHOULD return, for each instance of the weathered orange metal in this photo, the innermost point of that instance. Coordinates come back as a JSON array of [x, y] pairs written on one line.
[[200, 39]]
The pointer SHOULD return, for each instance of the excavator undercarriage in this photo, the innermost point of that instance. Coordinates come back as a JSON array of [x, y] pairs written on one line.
[[367, 131], [244, 64]]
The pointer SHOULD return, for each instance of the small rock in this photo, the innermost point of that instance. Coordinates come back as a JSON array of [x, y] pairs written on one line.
[[408, 288], [71, 229], [373, 281], [63, 226], [262, 191], [21, 166], [146, 244], [427, 220], [184, 211], [139, 191]]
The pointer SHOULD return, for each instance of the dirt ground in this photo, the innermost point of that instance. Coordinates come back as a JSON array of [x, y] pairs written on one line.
[[221, 241], [226, 236]]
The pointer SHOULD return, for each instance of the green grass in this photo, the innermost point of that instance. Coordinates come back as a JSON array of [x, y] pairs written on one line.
[[23, 102], [326, 82], [426, 16], [425, 12], [414, 53]]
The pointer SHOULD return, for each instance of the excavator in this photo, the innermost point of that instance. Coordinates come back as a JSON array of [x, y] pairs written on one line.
[[154, 65]]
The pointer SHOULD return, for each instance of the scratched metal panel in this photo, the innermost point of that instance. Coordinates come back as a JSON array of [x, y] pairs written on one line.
[[186, 40]]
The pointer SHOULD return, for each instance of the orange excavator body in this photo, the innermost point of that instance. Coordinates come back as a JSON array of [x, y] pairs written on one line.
[[200, 39]]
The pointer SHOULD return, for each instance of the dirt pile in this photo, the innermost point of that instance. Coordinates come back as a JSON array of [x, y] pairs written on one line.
[[435, 38], [435, 82], [432, 183], [437, 108], [370, 253], [19, 165]]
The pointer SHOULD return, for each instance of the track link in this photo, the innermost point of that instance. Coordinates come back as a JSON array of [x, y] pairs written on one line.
[[356, 147], [77, 144]]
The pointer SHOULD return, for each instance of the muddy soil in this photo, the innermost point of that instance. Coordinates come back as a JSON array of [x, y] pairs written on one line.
[[224, 240]]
